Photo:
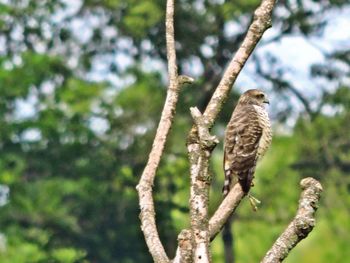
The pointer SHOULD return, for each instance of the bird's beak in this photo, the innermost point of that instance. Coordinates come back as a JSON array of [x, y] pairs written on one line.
[[266, 101]]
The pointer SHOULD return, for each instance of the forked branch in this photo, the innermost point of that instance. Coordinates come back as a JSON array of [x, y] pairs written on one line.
[[199, 154], [195, 143], [144, 188], [262, 21]]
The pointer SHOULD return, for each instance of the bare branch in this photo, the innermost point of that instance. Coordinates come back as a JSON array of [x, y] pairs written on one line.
[[302, 224], [170, 44], [261, 22], [226, 208], [144, 188], [199, 154], [184, 251], [205, 139], [183, 79], [200, 144]]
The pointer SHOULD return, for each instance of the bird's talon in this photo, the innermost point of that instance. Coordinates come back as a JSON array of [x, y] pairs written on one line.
[[254, 202]]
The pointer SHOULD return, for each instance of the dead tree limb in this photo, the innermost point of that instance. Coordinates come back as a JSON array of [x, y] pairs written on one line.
[[226, 208], [144, 188], [200, 182], [185, 249], [261, 22], [302, 224]]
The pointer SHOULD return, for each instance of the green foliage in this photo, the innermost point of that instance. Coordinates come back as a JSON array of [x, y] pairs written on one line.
[[134, 99], [78, 95], [326, 156], [67, 255], [16, 80], [141, 16]]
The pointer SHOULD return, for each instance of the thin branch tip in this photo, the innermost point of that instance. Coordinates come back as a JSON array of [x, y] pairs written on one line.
[[195, 113], [302, 224], [311, 182], [183, 79]]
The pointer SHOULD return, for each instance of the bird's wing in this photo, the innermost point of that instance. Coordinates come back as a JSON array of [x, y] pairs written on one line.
[[241, 145]]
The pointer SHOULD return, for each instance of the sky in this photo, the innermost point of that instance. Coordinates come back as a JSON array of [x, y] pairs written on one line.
[[294, 51]]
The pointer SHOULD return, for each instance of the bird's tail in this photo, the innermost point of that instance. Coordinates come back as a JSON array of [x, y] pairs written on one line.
[[227, 182]]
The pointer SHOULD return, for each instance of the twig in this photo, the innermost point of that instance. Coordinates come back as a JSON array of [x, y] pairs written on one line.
[[170, 45], [302, 224], [144, 188], [199, 154]]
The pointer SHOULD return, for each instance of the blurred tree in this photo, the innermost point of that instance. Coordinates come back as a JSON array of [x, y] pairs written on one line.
[[79, 100], [326, 156]]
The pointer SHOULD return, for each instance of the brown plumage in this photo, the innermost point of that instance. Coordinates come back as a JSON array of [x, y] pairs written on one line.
[[248, 135]]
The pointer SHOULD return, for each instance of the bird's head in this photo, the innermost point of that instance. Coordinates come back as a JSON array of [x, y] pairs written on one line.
[[254, 97]]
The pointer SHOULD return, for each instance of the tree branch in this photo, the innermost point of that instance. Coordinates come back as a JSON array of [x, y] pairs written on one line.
[[144, 188], [261, 22], [199, 154], [226, 208], [199, 150], [302, 224], [185, 248]]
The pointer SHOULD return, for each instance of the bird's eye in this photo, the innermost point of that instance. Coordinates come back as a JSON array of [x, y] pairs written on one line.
[[260, 96]]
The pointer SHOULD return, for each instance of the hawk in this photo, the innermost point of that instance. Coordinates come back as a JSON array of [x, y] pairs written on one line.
[[248, 135]]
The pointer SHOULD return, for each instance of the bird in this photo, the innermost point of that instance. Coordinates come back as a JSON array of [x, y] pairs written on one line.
[[247, 137]]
